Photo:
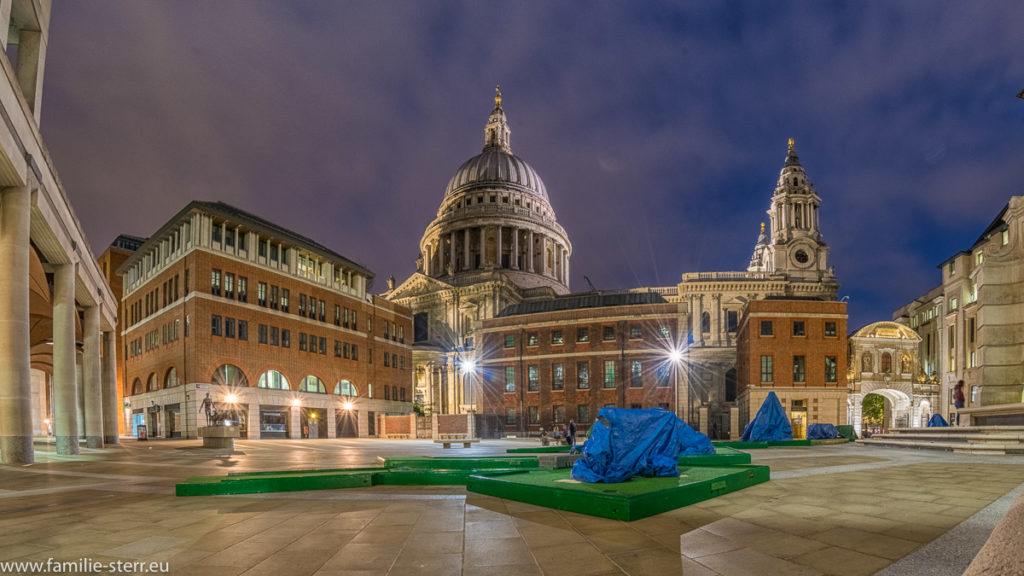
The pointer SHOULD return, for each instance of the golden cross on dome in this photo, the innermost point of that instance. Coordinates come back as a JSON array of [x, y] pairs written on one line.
[[497, 96], [790, 145], [762, 227]]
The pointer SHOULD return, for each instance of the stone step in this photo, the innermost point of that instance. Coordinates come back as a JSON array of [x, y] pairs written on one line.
[[957, 447], [963, 429], [969, 437]]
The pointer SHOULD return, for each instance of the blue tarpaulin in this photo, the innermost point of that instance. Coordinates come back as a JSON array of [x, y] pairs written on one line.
[[822, 432], [624, 443], [770, 424], [937, 420]]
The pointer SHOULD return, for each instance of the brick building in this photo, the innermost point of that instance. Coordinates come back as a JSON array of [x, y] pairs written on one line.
[[797, 349], [266, 322], [545, 362], [112, 258]]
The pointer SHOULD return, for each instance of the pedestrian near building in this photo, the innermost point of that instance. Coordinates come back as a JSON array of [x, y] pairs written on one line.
[[958, 399], [570, 436]]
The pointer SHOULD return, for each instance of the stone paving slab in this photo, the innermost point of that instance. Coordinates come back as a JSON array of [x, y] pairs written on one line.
[[843, 509]]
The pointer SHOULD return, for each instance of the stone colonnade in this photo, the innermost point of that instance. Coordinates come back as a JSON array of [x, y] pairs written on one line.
[[98, 367], [527, 251]]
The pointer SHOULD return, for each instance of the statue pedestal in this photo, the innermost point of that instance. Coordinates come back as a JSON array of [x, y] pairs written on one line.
[[219, 436]]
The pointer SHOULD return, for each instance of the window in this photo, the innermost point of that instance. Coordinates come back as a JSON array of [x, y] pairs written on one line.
[[419, 327], [510, 340], [273, 380], [953, 304], [557, 413], [216, 233], [286, 338], [345, 388], [215, 282], [799, 369], [970, 330], [635, 332], [302, 304], [321, 315], [273, 252], [273, 297], [830, 329], [582, 375], [312, 384], [636, 406], [215, 325], [636, 374], [531, 339], [705, 322], [583, 413], [662, 375], [608, 333], [533, 378], [557, 376], [886, 363], [261, 331], [766, 369], [337, 315], [229, 285], [732, 320], [284, 300], [261, 294], [510, 416], [664, 331], [609, 374], [302, 341], [337, 349], [830, 369], [355, 352], [533, 415], [243, 289], [583, 334], [799, 328], [263, 248], [229, 327], [766, 327], [510, 378], [556, 337]]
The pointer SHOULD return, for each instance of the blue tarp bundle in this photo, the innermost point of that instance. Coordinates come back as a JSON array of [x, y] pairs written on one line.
[[822, 432], [770, 424], [937, 421], [624, 443]]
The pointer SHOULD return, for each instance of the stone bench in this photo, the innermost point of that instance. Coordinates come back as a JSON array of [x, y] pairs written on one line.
[[222, 437], [446, 441]]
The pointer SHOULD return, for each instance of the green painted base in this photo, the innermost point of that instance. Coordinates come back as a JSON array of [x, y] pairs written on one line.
[[723, 456], [632, 500], [538, 450], [461, 463]]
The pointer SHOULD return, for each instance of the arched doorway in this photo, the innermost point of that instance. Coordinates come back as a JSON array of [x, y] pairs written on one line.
[[882, 410]]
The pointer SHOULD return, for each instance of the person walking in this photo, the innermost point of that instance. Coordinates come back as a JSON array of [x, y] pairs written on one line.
[[570, 436], [958, 399]]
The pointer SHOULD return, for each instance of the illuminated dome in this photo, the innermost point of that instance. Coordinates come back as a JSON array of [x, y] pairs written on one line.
[[496, 167]]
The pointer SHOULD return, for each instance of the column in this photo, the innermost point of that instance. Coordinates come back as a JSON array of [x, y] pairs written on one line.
[[93, 387], [440, 255], [110, 407], [567, 267], [65, 384], [529, 251], [453, 260], [514, 258], [716, 319], [699, 320], [465, 249], [497, 249], [483, 247], [15, 375], [428, 260]]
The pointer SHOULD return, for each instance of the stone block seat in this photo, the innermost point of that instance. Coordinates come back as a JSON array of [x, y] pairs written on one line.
[[958, 439]]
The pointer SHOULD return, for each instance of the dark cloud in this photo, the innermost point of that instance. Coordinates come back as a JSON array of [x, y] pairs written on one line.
[[658, 128]]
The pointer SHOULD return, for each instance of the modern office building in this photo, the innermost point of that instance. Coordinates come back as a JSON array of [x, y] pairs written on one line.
[[112, 258], [797, 349], [268, 324], [59, 317]]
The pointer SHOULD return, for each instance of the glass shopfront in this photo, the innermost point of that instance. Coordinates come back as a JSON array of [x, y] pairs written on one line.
[[314, 423], [275, 421]]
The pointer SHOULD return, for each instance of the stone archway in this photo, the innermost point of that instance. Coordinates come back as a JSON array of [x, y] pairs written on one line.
[[899, 411]]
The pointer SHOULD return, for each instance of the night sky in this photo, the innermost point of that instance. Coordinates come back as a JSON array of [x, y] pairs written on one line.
[[659, 129]]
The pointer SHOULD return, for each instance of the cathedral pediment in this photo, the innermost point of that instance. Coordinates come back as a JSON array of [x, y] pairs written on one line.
[[417, 285]]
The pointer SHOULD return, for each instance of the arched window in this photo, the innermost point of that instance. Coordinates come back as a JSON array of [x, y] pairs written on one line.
[[137, 387], [229, 375], [705, 322], [273, 380], [153, 384], [345, 388], [312, 384], [171, 378], [886, 363], [865, 363]]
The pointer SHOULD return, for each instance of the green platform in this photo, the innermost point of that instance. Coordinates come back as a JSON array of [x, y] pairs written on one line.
[[778, 444], [538, 449], [632, 500], [461, 462], [723, 456]]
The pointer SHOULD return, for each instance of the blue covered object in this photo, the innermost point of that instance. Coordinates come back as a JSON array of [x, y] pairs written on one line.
[[822, 432], [770, 424], [624, 443], [937, 421]]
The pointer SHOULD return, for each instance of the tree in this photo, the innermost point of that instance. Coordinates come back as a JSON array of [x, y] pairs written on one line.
[[874, 409]]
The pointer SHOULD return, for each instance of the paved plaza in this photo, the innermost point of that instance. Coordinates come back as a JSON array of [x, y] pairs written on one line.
[[845, 510]]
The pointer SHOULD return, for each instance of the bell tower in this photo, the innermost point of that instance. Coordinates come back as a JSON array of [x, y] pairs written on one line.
[[796, 248]]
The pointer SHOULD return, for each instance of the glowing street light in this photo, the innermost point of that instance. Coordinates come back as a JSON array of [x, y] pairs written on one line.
[[347, 406], [231, 398], [296, 402], [675, 356], [468, 366]]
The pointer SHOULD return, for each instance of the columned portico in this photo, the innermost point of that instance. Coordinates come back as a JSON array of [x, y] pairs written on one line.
[[93, 384], [15, 376], [65, 382], [109, 384]]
